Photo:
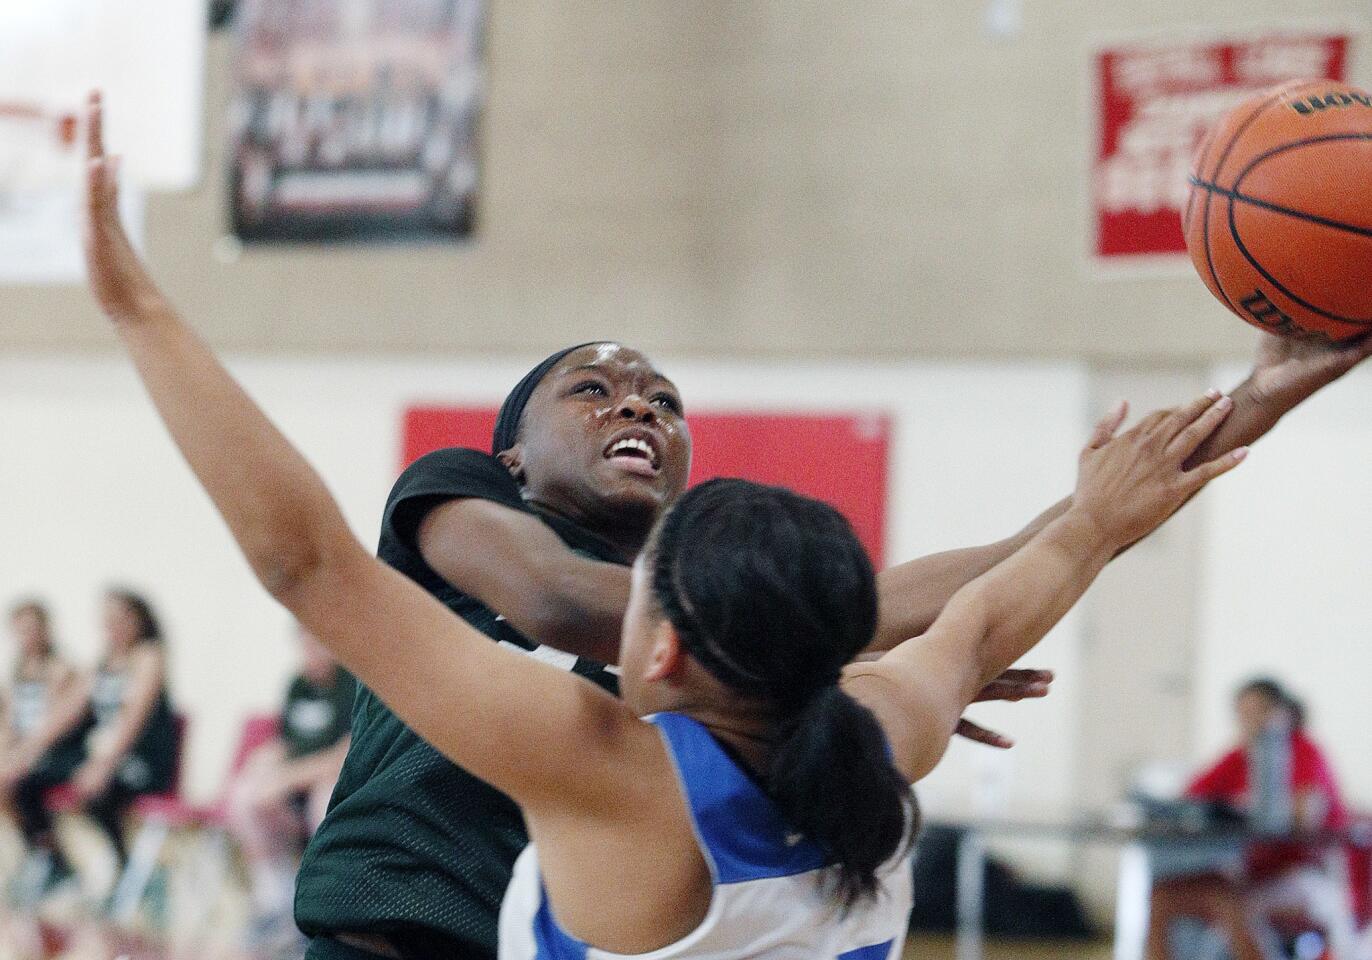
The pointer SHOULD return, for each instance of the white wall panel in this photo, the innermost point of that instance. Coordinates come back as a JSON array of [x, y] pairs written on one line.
[[1287, 578]]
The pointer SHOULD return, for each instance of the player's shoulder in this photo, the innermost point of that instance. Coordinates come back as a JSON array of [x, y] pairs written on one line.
[[456, 472], [448, 461]]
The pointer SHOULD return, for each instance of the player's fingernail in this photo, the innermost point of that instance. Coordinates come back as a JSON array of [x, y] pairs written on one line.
[[1240, 453], [1225, 403], [1213, 393]]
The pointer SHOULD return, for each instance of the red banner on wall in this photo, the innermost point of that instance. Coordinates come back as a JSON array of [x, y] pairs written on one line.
[[1154, 104], [839, 459]]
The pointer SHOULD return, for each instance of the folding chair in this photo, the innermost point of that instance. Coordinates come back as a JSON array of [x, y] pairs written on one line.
[[157, 813], [210, 862]]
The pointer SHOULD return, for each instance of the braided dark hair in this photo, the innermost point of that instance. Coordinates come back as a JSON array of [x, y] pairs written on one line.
[[772, 593]]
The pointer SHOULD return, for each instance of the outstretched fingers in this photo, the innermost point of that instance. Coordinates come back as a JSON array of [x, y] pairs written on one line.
[[117, 277], [1200, 475], [1360, 348], [1017, 684], [102, 186], [95, 126], [1202, 420], [979, 734], [1172, 422], [1108, 425]]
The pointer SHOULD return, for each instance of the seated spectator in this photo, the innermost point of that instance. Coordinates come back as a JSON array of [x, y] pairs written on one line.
[[130, 748], [281, 794], [41, 681], [1274, 877]]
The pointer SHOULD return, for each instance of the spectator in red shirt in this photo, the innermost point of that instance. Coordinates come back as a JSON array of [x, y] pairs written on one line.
[[1274, 877]]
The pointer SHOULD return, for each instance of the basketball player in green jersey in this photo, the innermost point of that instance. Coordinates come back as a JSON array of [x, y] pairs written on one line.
[[532, 543]]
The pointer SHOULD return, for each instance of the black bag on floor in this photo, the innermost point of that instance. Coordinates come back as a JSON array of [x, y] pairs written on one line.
[[1014, 908]]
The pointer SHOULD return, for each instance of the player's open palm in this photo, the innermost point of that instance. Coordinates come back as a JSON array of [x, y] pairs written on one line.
[[1132, 482], [117, 277]]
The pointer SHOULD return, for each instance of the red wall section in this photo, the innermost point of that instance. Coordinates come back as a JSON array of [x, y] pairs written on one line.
[[842, 459]]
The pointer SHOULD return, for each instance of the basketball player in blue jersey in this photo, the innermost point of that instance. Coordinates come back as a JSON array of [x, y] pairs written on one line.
[[128, 295]]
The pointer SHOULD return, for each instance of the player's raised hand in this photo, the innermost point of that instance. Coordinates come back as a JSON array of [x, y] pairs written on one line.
[[117, 277], [1017, 684], [1011, 686], [1131, 483], [1289, 369]]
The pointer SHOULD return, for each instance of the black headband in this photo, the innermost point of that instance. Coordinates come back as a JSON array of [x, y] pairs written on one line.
[[512, 410]]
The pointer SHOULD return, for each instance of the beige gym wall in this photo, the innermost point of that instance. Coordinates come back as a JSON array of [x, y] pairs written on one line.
[[874, 180]]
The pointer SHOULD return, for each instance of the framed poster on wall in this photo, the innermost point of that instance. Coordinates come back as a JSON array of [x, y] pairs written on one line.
[[356, 120]]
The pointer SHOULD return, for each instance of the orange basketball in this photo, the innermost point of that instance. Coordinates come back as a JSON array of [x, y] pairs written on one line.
[[1279, 218]]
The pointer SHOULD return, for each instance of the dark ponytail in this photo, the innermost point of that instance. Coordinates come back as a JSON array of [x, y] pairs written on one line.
[[773, 594], [833, 778]]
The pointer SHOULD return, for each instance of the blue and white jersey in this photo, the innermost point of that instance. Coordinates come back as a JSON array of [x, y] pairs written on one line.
[[768, 899]]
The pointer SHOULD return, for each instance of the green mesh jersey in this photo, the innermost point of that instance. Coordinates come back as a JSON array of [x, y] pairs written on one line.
[[414, 847]]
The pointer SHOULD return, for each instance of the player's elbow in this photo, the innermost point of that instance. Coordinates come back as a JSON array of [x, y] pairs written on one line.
[[290, 554], [286, 574], [291, 567]]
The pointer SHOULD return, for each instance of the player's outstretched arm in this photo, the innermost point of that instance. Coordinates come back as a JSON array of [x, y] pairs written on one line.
[[524, 572], [912, 594], [1127, 486], [531, 730], [1286, 372]]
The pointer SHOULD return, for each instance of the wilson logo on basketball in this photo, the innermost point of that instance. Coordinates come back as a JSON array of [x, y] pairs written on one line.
[[1267, 315], [1344, 98]]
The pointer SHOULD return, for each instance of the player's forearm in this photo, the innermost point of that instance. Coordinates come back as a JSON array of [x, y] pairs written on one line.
[[275, 505], [544, 590], [1015, 604], [515, 565], [561, 599], [913, 594], [1256, 411], [920, 689], [581, 609]]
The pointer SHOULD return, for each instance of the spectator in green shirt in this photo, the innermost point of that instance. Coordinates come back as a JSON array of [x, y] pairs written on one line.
[[283, 789]]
